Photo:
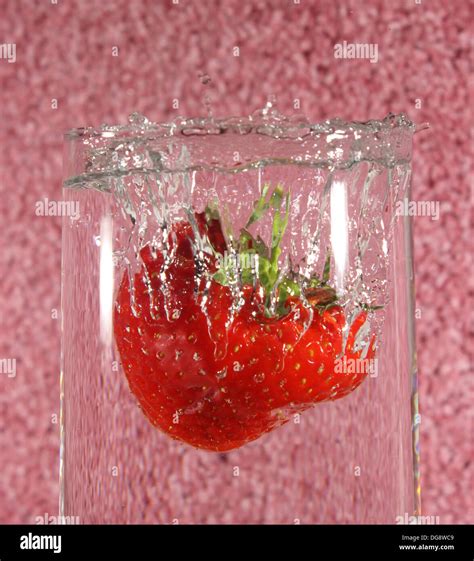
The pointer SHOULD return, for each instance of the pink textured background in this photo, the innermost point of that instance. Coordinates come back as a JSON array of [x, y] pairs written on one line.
[[64, 52]]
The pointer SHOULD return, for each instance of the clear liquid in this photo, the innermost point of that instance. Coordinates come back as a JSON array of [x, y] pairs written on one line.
[[345, 461]]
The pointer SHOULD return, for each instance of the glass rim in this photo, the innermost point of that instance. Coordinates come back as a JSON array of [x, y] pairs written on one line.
[[278, 127]]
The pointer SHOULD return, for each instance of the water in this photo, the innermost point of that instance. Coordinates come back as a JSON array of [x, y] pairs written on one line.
[[343, 181], [155, 193]]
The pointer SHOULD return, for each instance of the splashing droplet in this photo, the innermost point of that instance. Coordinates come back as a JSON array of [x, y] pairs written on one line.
[[208, 104], [138, 119], [271, 101], [205, 78], [422, 127]]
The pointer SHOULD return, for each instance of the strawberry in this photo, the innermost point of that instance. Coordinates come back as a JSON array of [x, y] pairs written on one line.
[[216, 375]]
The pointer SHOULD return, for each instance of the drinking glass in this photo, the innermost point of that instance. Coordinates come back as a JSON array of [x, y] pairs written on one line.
[[322, 203]]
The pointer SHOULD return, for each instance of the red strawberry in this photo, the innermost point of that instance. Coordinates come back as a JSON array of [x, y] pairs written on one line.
[[217, 380]]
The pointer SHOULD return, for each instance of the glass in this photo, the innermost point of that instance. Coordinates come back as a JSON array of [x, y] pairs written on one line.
[[237, 321]]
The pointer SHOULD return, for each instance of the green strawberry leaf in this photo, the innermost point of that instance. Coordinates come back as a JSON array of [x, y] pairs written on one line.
[[327, 268], [369, 308], [260, 206], [222, 277], [254, 256], [280, 222], [287, 288], [248, 243], [212, 211]]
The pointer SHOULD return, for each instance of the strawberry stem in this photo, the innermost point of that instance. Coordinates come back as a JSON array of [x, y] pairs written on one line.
[[252, 258]]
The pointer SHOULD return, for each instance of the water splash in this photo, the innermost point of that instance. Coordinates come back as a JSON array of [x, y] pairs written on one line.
[[160, 174]]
